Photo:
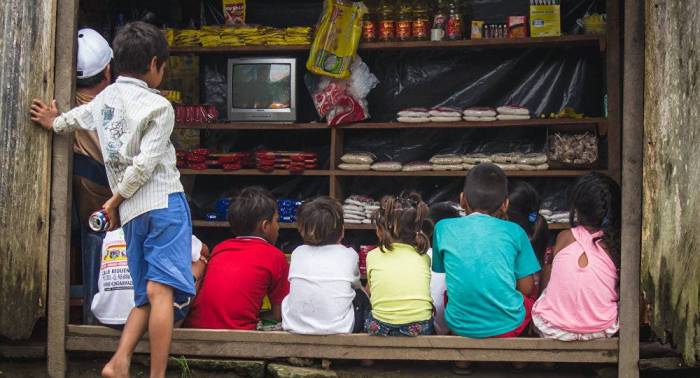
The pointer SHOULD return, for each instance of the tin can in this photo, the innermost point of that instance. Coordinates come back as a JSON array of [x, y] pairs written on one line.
[[99, 221]]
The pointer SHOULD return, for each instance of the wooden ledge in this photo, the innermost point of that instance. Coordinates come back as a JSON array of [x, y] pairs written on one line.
[[254, 344]]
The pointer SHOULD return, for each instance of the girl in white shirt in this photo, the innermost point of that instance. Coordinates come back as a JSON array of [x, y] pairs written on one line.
[[325, 295]]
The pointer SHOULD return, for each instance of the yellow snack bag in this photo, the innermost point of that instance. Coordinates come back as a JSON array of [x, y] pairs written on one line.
[[337, 37], [545, 20]]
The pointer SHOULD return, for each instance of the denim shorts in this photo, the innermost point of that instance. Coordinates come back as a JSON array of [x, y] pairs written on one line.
[[375, 327]]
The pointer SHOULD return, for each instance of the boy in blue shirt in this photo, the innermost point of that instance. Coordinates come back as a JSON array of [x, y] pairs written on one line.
[[488, 262], [133, 123]]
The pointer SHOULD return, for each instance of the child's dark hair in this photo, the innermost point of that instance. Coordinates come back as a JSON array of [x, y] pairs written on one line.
[[595, 203], [524, 209], [320, 221], [485, 188], [439, 211], [402, 220], [250, 207], [89, 82], [135, 46]]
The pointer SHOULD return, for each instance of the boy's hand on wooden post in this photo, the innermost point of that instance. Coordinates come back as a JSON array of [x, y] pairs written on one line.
[[111, 207], [43, 114]]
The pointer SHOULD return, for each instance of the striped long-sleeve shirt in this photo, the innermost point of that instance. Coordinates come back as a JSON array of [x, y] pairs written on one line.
[[133, 123]]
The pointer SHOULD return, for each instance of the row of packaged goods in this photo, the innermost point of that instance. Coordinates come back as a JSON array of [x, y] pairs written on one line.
[[476, 114], [564, 150], [239, 35], [357, 209], [264, 161], [406, 20]]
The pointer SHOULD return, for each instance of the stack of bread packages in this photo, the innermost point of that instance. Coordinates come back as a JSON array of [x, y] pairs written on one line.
[[512, 113], [479, 114], [357, 161], [358, 209]]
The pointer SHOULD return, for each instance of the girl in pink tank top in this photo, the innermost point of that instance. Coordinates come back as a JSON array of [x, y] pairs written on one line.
[[579, 301]]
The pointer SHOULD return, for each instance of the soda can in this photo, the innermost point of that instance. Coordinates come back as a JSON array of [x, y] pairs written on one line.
[[99, 221]]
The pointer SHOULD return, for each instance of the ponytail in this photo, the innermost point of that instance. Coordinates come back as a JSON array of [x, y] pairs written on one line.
[[403, 219]]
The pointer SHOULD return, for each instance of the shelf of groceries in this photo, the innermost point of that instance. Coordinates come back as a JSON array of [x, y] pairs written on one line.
[[564, 40], [338, 172], [570, 123], [289, 226]]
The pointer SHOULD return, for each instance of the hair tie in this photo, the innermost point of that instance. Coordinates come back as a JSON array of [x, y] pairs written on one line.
[[532, 217], [605, 222]]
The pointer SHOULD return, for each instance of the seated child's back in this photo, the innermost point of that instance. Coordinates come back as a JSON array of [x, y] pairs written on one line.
[[486, 260], [243, 270], [322, 274]]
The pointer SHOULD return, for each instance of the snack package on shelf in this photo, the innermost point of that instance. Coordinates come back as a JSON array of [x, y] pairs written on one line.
[[234, 12], [195, 113], [337, 37], [573, 150], [512, 113], [545, 18], [413, 115], [343, 101]]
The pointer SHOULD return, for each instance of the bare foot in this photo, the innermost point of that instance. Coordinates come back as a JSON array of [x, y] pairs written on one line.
[[116, 368]]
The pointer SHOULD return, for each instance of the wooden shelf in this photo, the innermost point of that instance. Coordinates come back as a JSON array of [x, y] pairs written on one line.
[[252, 172], [549, 173], [566, 40], [253, 126], [560, 122], [222, 224]]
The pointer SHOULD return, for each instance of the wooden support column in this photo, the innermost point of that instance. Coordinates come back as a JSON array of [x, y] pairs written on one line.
[[613, 63], [62, 162], [632, 161]]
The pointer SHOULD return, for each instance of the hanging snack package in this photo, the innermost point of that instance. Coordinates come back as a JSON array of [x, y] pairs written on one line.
[[234, 12], [337, 37], [342, 101]]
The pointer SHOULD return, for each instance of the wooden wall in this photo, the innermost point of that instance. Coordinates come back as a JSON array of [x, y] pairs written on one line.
[[26, 71], [671, 228]]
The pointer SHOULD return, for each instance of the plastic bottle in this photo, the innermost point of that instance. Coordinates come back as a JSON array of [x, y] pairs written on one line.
[[437, 32], [421, 21], [455, 28], [404, 20], [386, 23]]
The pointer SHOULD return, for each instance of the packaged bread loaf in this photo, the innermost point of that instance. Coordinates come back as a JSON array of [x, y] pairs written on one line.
[[388, 166], [479, 112], [506, 158], [513, 110], [446, 159], [448, 167], [417, 166], [532, 159], [358, 158], [354, 167]]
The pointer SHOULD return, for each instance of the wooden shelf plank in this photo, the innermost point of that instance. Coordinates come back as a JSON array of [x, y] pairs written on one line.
[[252, 172], [222, 224], [253, 126], [550, 173], [561, 122], [566, 40]]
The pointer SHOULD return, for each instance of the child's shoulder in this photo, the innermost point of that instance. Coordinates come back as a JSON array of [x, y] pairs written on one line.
[[564, 239]]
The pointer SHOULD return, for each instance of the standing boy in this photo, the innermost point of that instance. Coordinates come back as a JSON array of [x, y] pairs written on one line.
[[134, 124], [244, 269], [488, 262]]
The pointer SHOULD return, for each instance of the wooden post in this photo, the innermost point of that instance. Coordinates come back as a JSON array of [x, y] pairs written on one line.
[[613, 61], [632, 160], [26, 71], [62, 161]]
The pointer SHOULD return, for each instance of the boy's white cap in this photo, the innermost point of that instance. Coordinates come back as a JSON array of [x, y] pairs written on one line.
[[94, 53]]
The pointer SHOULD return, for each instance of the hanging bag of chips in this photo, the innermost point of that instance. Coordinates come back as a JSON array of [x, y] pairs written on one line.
[[337, 37]]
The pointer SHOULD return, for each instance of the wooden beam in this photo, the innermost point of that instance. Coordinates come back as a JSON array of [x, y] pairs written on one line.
[[253, 344], [632, 160], [62, 162], [26, 72], [613, 62]]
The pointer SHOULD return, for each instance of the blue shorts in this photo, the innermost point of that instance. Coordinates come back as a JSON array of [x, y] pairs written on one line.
[[376, 328], [159, 249]]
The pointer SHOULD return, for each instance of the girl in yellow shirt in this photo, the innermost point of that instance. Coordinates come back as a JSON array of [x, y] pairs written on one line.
[[398, 271]]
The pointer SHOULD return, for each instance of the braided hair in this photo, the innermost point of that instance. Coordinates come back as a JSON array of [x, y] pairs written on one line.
[[595, 203], [402, 219]]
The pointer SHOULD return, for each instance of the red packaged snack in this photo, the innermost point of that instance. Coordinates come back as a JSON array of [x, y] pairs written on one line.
[[201, 151], [197, 166], [229, 159], [231, 167], [196, 158]]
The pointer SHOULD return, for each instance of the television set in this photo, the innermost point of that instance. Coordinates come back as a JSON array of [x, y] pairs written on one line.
[[262, 90]]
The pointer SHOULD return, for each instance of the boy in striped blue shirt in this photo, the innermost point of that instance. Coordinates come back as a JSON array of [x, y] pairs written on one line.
[[134, 122]]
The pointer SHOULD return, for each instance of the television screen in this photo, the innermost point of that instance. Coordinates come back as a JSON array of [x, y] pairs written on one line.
[[261, 86], [262, 89]]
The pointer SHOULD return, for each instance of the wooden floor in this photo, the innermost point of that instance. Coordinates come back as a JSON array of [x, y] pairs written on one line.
[[254, 344]]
